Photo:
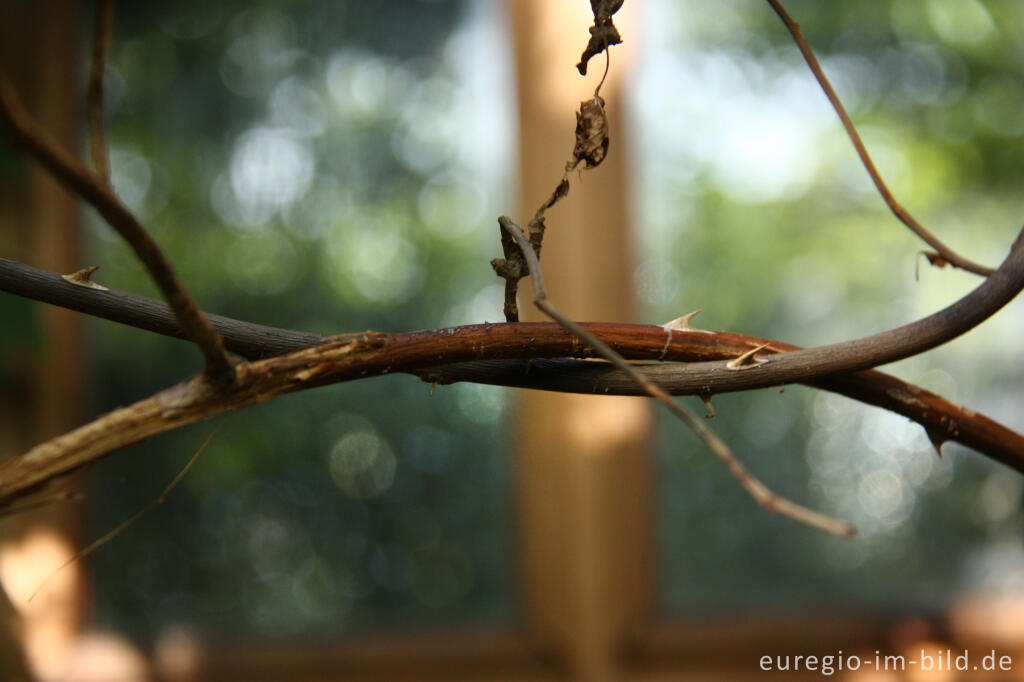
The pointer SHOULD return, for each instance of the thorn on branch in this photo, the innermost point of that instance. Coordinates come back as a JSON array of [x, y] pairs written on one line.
[[683, 323], [706, 399], [747, 360], [83, 278], [937, 439]]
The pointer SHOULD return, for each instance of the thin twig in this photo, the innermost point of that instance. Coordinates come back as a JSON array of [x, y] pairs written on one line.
[[946, 254], [45, 501], [73, 175], [102, 31], [761, 494], [107, 537], [607, 67]]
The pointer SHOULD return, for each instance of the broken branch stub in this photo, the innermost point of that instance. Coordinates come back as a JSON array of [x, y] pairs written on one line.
[[512, 268]]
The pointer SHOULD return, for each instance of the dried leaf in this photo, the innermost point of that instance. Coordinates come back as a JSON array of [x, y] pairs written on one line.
[[602, 34], [591, 135], [605, 8]]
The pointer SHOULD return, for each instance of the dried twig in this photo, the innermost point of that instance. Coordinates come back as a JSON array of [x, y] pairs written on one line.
[[511, 268], [761, 494], [107, 537], [945, 254], [590, 149], [100, 47], [73, 175]]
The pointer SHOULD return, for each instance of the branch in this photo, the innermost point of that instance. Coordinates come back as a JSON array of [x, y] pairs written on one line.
[[251, 341], [946, 254], [342, 359], [73, 175], [450, 355], [757, 490], [790, 366], [942, 420], [100, 46]]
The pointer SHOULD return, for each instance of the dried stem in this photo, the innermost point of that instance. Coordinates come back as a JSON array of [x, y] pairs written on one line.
[[761, 494], [946, 254], [73, 175], [110, 535], [102, 31]]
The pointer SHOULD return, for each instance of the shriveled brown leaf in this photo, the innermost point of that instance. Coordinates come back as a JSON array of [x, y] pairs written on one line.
[[591, 135]]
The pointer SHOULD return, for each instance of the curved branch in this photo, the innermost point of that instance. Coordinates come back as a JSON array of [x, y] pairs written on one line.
[[947, 254], [785, 365], [942, 419], [431, 354], [73, 175]]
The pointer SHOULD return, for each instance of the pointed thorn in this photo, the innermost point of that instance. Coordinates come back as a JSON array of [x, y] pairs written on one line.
[[82, 278], [937, 439], [706, 397], [747, 360], [683, 323]]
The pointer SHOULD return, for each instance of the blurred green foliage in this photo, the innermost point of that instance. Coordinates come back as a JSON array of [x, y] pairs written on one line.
[[307, 165], [754, 206]]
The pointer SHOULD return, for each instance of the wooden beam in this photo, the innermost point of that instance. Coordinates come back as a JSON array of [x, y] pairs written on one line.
[[584, 490]]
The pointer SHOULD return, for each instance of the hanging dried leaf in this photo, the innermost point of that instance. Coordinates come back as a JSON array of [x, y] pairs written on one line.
[[605, 8], [591, 135], [603, 33]]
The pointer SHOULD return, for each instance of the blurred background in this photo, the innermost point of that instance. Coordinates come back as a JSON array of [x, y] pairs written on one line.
[[339, 166]]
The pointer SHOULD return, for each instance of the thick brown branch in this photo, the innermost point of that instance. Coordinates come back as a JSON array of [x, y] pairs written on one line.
[[947, 255], [78, 179]]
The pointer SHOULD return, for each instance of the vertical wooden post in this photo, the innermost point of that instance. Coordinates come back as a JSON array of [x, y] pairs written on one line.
[[43, 396], [583, 469]]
